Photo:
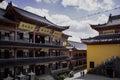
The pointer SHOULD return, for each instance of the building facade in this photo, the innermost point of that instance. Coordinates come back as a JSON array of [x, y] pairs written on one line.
[[30, 44], [103, 50], [77, 55]]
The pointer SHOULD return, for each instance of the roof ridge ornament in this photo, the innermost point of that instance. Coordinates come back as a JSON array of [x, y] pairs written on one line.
[[110, 17], [45, 17], [10, 3]]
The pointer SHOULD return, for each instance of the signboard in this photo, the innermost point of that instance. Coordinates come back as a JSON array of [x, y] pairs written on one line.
[[108, 32], [44, 30], [45, 49], [57, 33], [65, 43], [26, 26]]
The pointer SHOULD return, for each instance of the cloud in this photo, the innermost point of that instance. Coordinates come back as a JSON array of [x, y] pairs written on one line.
[[40, 12], [107, 4], [3, 5], [47, 1], [78, 29], [38, 0], [88, 5]]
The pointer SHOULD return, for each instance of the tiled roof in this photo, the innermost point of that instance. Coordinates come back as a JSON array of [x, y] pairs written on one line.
[[113, 20], [103, 38], [115, 17], [2, 12], [78, 45], [30, 15], [38, 18]]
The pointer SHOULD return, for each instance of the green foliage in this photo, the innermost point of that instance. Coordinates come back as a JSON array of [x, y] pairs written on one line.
[[62, 76]]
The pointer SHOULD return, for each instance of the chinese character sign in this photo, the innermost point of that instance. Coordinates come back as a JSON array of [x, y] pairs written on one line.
[[57, 33], [26, 26], [44, 30]]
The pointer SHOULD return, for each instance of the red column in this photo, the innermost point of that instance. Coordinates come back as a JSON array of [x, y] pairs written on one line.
[[34, 37], [15, 52], [34, 68], [15, 33], [14, 72], [51, 39], [34, 53]]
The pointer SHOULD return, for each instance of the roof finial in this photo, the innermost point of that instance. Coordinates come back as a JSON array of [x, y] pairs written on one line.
[[110, 16], [10, 3], [45, 17]]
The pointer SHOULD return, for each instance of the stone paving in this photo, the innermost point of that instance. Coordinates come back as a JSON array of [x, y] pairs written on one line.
[[77, 76], [45, 77], [95, 77]]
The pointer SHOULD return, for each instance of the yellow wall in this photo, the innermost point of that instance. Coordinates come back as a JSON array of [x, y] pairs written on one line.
[[99, 53]]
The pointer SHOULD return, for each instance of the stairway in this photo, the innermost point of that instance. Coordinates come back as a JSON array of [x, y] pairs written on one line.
[[109, 68]]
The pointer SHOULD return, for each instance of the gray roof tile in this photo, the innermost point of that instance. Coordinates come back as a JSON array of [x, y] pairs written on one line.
[[78, 45]]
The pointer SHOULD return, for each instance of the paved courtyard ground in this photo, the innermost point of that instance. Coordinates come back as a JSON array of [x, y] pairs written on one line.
[[77, 76]]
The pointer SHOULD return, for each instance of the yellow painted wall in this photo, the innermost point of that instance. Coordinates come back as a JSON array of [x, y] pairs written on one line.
[[100, 53]]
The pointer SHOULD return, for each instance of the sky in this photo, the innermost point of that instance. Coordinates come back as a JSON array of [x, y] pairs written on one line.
[[73, 13]]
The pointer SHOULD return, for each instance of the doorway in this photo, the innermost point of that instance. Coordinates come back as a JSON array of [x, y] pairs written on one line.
[[109, 72]]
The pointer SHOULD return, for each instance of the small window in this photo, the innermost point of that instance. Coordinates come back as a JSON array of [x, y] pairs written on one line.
[[6, 34], [91, 64], [20, 35]]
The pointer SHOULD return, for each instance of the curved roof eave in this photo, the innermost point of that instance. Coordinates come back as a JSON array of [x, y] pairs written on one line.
[[39, 19]]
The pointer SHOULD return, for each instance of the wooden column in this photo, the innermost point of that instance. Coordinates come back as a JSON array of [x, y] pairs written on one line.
[[60, 65], [34, 68], [33, 53], [15, 53], [34, 37], [51, 39], [15, 34]]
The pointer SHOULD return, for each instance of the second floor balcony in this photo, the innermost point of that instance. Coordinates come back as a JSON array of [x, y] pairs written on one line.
[[79, 58], [35, 45], [31, 60], [28, 37]]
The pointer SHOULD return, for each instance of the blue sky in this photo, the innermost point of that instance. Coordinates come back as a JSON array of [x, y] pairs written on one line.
[[68, 12]]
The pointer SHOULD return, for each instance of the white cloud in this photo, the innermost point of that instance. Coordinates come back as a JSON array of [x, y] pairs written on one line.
[[3, 5], [107, 4], [47, 1], [78, 29], [88, 5], [38, 0], [40, 12]]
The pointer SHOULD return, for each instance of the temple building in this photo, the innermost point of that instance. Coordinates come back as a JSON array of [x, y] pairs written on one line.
[[103, 51], [30, 45], [77, 55]]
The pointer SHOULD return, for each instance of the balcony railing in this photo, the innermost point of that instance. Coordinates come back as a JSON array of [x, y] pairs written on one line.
[[15, 43], [7, 38], [60, 70], [79, 58], [22, 61]]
